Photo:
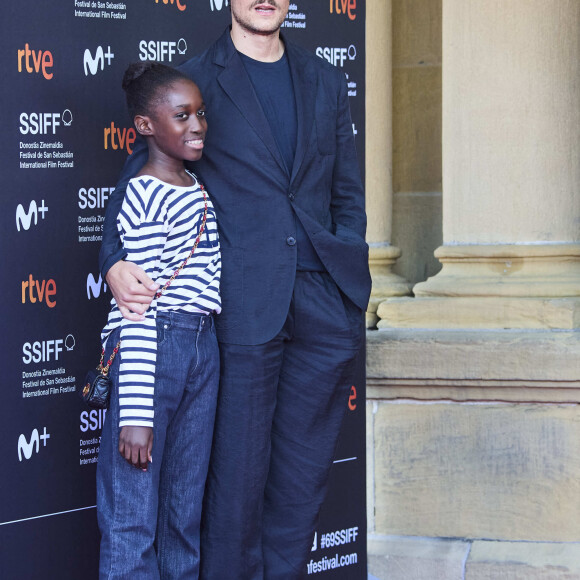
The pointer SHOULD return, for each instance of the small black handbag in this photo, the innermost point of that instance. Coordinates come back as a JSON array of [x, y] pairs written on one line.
[[97, 390]]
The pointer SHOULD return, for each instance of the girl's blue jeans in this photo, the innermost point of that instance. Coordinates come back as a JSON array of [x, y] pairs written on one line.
[[149, 521]]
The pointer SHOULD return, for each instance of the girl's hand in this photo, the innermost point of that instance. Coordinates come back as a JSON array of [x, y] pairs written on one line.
[[135, 445]]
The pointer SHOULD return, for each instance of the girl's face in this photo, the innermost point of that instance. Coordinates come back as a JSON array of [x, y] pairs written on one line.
[[178, 124]]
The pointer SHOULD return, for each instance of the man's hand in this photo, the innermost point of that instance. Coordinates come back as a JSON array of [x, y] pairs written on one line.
[[135, 445], [132, 288]]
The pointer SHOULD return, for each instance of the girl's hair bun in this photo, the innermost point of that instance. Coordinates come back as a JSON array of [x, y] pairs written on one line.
[[143, 83], [135, 71]]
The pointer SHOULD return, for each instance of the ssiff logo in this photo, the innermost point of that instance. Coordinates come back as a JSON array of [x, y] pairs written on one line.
[[181, 6], [39, 291], [44, 123], [161, 50], [46, 350], [347, 7], [92, 64], [94, 197], [24, 219], [35, 61], [27, 447], [93, 420], [336, 56]]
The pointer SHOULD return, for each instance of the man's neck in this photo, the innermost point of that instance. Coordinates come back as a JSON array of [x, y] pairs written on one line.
[[262, 47]]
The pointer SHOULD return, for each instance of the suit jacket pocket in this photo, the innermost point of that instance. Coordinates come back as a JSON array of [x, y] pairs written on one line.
[[346, 260]]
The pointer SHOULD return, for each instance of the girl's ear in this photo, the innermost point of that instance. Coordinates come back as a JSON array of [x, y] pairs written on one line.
[[143, 125]]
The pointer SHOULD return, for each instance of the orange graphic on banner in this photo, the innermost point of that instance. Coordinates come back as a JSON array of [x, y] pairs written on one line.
[[119, 138], [352, 398], [178, 3], [39, 291], [35, 60], [343, 7]]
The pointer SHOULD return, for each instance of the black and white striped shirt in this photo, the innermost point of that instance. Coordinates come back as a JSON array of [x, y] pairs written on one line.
[[159, 223]]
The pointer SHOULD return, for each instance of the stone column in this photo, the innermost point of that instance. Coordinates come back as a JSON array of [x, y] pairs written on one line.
[[379, 162], [511, 171]]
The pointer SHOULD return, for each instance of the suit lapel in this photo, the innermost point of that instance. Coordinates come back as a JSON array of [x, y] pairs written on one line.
[[305, 81], [235, 82]]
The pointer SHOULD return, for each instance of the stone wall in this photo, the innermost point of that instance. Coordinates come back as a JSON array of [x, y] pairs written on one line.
[[473, 384]]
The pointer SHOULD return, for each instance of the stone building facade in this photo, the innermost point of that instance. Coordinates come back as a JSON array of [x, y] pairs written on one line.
[[473, 347]]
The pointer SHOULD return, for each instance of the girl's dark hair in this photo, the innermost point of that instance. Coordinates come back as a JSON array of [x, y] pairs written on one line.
[[142, 83]]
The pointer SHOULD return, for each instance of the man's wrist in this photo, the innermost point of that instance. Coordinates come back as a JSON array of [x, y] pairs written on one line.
[[111, 261]]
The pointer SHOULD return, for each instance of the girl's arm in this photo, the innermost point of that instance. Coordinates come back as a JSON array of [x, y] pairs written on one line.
[[143, 239], [132, 288]]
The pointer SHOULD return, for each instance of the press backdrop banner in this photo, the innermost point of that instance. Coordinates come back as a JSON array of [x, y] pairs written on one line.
[[66, 134]]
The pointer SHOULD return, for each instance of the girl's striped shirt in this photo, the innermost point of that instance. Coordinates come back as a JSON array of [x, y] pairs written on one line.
[[158, 224]]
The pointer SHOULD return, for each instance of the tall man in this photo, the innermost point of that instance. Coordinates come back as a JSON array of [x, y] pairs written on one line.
[[280, 164]]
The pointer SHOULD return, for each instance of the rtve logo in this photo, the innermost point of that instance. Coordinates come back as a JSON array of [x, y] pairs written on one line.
[[218, 4], [352, 398], [95, 287], [181, 6], [336, 56], [347, 7], [161, 50], [92, 64], [24, 219], [37, 292], [27, 447], [120, 138], [35, 61], [44, 123]]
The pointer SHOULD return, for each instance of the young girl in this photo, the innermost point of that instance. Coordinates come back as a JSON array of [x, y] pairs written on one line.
[[157, 436]]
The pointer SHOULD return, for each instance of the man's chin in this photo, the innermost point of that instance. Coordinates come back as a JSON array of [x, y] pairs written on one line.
[[263, 29]]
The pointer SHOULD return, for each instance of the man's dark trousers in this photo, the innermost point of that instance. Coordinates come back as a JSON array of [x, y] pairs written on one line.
[[280, 408]]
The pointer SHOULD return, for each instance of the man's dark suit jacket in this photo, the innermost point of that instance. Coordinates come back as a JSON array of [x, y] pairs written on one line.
[[257, 202]]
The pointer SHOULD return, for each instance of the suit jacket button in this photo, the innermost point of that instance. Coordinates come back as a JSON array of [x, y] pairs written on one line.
[[291, 196], [291, 241]]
